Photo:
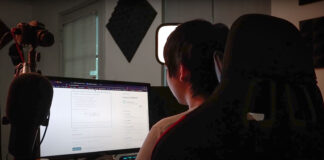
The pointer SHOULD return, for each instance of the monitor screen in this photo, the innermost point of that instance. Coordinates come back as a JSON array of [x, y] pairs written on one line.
[[89, 116]]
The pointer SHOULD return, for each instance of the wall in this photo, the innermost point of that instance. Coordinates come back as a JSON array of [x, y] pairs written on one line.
[[144, 66], [216, 11], [227, 11], [179, 11], [291, 11]]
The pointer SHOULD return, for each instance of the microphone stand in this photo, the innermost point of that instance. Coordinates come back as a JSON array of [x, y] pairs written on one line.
[[30, 65], [32, 59]]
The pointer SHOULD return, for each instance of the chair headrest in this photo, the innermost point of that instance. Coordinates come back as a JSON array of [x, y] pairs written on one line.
[[262, 46]]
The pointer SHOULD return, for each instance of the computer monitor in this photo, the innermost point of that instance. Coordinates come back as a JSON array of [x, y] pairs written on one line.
[[95, 116]]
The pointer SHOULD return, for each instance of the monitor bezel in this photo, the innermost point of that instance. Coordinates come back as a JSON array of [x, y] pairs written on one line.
[[99, 153]]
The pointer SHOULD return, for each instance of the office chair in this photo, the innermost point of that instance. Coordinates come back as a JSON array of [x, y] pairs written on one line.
[[267, 106]]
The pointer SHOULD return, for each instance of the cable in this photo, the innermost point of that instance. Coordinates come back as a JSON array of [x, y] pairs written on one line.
[[41, 141], [48, 118], [13, 30], [43, 135]]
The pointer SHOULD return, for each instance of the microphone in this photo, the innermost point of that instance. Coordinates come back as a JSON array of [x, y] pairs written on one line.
[[28, 105]]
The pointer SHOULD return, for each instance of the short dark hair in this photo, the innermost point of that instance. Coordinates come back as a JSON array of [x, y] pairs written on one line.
[[193, 44]]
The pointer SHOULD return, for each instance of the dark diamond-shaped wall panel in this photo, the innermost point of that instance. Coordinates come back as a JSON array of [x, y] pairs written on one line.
[[129, 23]]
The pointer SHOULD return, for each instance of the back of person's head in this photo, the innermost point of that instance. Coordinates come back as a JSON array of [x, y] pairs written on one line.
[[192, 45]]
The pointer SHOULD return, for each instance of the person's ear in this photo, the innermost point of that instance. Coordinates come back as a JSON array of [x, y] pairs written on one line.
[[184, 73]]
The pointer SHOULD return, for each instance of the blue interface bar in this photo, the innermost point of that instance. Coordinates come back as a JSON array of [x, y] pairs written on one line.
[[99, 86]]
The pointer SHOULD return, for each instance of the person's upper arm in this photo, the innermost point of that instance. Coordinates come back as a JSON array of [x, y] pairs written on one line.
[[149, 143]]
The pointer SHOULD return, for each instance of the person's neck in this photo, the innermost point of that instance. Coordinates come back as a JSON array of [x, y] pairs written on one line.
[[194, 101]]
